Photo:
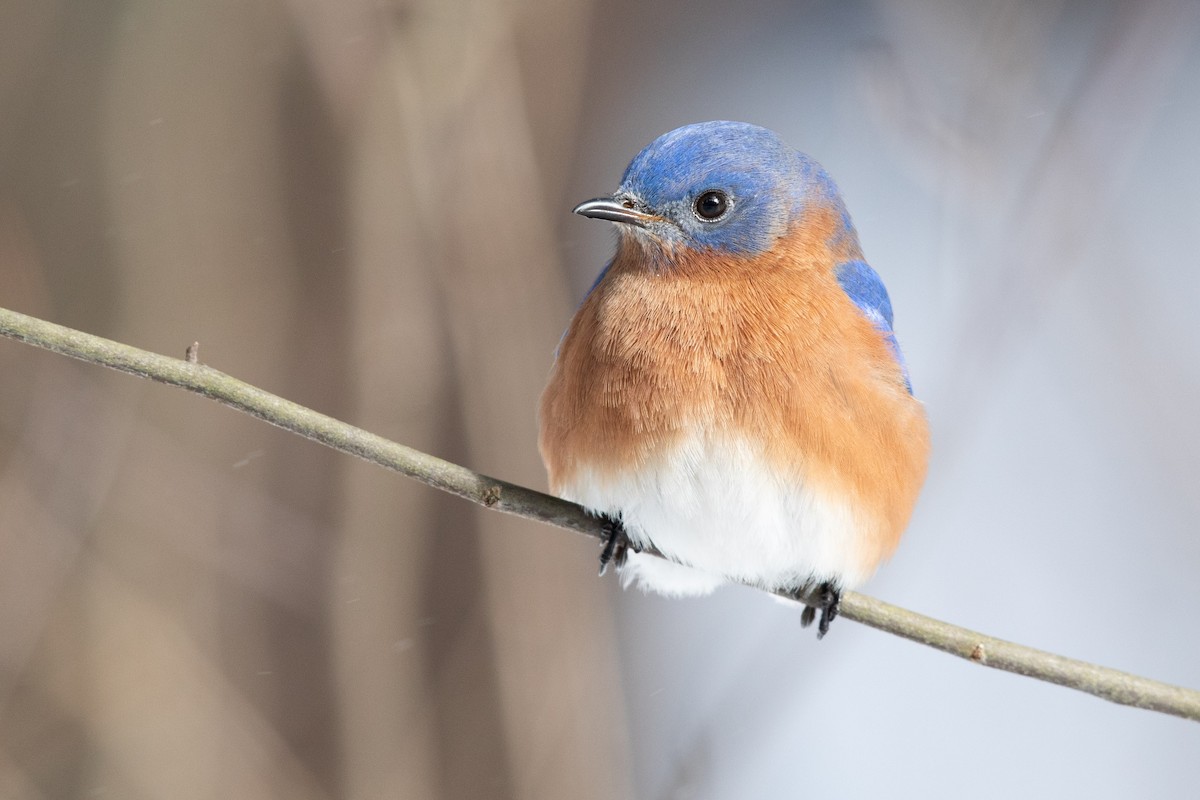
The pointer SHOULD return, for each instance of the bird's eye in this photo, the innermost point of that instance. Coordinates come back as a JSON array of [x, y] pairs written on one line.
[[711, 205]]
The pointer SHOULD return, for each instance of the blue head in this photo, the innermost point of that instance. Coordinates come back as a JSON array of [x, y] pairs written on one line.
[[725, 186]]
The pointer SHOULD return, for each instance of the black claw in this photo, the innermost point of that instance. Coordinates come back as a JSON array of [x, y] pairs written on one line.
[[831, 604], [807, 616], [829, 601], [616, 543]]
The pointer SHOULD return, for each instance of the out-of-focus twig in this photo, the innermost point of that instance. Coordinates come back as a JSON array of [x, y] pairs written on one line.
[[1110, 684]]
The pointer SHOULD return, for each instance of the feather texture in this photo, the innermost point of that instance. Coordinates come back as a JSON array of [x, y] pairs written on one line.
[[734, 392]]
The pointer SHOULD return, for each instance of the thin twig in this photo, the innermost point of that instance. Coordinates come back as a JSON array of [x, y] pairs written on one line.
[[1110, 684]]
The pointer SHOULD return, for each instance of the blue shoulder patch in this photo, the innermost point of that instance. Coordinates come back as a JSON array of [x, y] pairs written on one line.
[[864, 287]]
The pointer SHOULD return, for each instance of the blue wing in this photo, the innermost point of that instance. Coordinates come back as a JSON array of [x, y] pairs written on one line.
[[866, 290]]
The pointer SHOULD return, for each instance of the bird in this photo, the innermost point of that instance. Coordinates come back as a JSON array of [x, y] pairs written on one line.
[[731, 394]]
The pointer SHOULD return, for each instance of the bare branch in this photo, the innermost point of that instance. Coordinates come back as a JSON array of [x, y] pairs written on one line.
[[1110, 684]]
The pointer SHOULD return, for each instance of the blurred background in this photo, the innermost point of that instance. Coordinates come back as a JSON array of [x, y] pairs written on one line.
[[363, 206]]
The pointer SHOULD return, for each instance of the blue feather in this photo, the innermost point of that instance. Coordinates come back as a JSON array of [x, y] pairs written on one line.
[[864, 287], [769, 184]]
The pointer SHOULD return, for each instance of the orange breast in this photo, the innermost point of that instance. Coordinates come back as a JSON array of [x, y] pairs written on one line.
[[769, 349]]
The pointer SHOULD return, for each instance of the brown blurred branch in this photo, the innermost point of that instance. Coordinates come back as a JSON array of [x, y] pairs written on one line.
[[1110, 684]]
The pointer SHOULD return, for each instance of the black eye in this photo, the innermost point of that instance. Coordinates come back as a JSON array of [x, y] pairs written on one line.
[[711, 205]]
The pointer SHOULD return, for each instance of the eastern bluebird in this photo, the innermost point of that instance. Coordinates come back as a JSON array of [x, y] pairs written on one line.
[[731, 391]]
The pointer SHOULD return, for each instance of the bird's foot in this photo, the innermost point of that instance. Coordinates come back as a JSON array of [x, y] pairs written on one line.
[[616, 543], [829, 601]]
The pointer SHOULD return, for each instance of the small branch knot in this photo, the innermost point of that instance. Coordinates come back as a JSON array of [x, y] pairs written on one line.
[[491, 496], [978, 654], [192, 354]]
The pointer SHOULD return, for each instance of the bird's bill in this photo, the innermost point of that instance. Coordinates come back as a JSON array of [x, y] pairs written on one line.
[[614, 210]]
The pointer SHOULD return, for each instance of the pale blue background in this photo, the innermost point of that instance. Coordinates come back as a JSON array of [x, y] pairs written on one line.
[[1026, 180]]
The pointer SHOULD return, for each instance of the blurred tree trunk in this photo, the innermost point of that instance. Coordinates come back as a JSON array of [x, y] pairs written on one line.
[[343, 206], [459, 229]]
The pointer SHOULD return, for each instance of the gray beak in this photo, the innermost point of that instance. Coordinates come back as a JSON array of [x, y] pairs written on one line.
[[614, 210]]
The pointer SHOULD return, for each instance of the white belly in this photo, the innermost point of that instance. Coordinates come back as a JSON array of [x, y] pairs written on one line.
[[717, 508]]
